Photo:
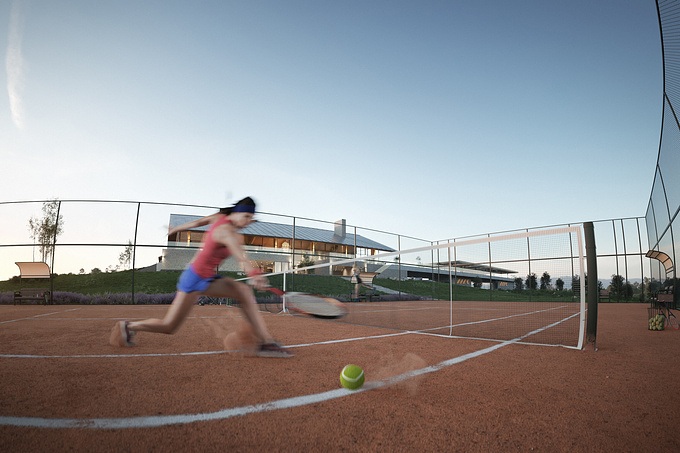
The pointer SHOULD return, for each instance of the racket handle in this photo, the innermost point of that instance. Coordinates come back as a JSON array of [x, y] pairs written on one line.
[[276, 291]]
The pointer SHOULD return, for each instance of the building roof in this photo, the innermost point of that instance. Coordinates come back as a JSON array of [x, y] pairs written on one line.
[[280, 230], [477, 266]]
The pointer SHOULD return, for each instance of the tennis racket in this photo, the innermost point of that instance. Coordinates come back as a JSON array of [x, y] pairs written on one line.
[[311, 305], [670, 318]]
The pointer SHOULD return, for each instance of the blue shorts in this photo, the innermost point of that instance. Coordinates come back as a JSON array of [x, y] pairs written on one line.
[[190, 281]]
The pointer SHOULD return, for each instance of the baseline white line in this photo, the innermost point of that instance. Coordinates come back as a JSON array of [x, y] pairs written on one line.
[[199, 353], [425, 332], [129, 318], [396, 310], [286, 403], [38, 316], [180, 354], [495, 319]]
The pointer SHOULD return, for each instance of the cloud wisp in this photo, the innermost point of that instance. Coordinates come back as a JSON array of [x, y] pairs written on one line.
[[15, 64]]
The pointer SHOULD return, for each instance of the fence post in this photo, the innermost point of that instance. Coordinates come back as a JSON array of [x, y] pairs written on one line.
[[592, 287], [54, 249], [134, 252]]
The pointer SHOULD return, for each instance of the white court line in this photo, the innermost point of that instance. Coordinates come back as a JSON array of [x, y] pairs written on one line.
[[498, 319], [129, 318], [393, 310], [387, 308], [199, 353], [425, 332], [286, 403], [38, 316], [179, 354]]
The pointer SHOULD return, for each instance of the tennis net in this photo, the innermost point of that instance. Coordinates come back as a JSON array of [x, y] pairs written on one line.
[[526, 287]]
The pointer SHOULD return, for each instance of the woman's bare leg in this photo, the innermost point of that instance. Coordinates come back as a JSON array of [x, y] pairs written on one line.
[[226, 287], [176, 314]]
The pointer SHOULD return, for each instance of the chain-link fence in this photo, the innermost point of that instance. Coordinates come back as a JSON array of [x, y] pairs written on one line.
[[86, 237], [663, 222]]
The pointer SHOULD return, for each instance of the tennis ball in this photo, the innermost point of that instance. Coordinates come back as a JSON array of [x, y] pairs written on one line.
[[352, 377]]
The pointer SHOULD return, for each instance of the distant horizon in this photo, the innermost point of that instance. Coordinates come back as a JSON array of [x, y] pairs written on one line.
[[152, 231]]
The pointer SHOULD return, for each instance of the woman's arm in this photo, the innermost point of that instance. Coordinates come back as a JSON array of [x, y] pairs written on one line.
[[196, 223], [228, 236]]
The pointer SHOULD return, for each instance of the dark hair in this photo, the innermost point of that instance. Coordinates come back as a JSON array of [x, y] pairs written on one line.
[[247, 201]]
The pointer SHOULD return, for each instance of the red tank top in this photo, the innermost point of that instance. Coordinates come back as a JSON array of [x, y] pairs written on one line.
[[212, 253]]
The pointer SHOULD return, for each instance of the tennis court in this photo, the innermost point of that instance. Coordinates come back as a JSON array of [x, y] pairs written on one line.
[[537, 322], [64, 388]]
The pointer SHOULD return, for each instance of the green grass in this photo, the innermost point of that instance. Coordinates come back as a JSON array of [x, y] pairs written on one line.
[[316, 284], [104, 283], [165, 282], [441, 291]]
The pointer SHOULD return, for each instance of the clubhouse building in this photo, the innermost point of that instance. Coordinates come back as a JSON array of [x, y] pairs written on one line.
[[276, 247]]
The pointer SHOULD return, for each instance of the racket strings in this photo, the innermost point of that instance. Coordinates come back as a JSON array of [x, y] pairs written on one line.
[[315, 305]]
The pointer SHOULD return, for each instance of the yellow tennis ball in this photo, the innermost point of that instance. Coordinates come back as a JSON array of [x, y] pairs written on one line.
[[352, 377]]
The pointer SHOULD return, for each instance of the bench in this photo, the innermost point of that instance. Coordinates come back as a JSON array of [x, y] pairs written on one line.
[[604, 294], [366, 297], [366, 279], [36, 294], [33, 270], [367, 282], [209, 300]]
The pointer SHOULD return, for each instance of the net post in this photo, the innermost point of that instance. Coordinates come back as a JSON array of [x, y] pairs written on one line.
[[592, 291], [284, 309]]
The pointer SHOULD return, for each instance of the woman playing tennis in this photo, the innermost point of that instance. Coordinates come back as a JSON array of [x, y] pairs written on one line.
[[200, 278]]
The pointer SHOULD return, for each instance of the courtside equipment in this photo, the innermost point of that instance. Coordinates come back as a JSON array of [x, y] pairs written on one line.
[[352, 377], [657, 322]]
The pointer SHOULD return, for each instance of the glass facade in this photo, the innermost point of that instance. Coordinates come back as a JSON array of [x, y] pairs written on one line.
[[664, 202]]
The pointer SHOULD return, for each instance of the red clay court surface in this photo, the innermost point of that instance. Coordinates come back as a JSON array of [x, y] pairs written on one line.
[[64, 388]]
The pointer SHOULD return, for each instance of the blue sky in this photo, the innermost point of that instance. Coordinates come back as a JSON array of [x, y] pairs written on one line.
[[432, 119]]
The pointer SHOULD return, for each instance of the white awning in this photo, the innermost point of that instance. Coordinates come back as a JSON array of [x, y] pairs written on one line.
[[34, 269]]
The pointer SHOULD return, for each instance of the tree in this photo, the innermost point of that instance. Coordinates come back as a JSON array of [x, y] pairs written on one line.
[[47, 229], [669, 284], [576, 283], [627, 291], [617, 285], [545, 280], [305, 261], [519, 284], [653, 286], [559, 283], [531, 282], [125, 258]]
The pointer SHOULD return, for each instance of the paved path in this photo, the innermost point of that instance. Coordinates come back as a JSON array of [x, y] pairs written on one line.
[[378, 288]]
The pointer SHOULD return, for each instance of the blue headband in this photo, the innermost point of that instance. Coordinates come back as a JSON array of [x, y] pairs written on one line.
[[244, 208]]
